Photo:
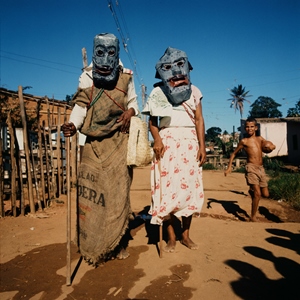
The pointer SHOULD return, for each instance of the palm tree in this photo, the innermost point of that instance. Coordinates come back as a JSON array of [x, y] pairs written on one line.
[[238, 95]]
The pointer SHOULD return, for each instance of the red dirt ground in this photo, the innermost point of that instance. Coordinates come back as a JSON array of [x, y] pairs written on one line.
[[236, 259]]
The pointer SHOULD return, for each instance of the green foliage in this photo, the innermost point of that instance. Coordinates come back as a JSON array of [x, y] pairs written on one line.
[[286, 186], [218, 142], [212, 134], [265, 107], [228, 148], [294, 112], [272, 166], [240, 170], [239, 96], [208, 166], [282, 186], [69, 98]]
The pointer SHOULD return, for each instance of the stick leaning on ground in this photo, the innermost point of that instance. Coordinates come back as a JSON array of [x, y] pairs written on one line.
[[161, 225], [68, 276]]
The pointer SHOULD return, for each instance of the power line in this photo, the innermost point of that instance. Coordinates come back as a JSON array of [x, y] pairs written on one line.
[[124, 36], [31, 63], [129, 40], [47, 61]]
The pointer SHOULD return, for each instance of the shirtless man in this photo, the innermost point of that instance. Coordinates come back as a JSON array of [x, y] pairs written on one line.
[[255, 173]]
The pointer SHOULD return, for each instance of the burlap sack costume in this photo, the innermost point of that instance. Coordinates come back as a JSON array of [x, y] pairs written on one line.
[[104, 179]]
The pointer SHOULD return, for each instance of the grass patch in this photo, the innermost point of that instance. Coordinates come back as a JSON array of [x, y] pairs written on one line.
[[272, 166], [240, 170], [286, 186], [208, 166], [282, 186]]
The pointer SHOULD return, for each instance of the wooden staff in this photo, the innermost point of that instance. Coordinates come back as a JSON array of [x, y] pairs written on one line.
[[74, 154], [13, 165], [26, 148], [68, 211], [58, 154], [160, 226], [64, 148]]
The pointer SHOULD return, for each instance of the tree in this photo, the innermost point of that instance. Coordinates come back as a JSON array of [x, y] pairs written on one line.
[[212, 134], [294, 112], [238, 95], [69, 98], [265, 107]]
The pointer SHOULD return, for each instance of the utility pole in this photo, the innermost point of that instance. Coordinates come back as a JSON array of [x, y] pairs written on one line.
[[144, 89], [233, 133], [84, 58]]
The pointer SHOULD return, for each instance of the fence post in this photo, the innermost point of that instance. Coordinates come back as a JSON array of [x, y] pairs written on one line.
[[26, 148], [13, 165]]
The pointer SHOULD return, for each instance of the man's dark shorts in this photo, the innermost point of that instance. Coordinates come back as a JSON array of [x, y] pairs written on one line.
[[255, 175]]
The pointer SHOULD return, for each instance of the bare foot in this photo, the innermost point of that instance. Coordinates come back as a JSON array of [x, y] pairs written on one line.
[[122, 254], [189, 243], [170, 246], [256, 219]]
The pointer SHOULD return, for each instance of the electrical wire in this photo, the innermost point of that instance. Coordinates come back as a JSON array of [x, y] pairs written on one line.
[[44, 60], [121, 27], [40, 65]]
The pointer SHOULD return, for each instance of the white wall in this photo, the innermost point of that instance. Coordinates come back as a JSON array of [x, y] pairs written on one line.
[[277, 134]]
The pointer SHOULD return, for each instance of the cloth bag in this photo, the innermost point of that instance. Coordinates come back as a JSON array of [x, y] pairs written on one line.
[[139, 152]]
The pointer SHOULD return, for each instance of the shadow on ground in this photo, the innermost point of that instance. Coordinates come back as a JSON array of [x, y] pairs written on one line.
[[254, 284]]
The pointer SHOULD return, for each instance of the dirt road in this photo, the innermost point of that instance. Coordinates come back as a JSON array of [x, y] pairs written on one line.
[[236, 259]]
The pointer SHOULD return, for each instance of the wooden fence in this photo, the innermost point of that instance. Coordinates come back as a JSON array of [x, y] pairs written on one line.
[[34, 174]]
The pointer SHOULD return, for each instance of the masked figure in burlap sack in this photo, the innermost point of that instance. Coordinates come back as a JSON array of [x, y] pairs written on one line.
[[177, 126], [102, 112]]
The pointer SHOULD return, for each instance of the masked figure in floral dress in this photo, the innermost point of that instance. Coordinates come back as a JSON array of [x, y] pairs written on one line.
[[177, 126]]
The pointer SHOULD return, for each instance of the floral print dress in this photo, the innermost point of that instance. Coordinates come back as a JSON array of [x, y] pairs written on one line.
[[176, 180]]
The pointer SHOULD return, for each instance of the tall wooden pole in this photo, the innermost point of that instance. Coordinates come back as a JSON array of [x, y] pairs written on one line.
[[36, 180], [58, 155], [73, 159], [49, 187], [64, 153], [51, 151], [26, 148], [84, 58], [68, 212], [13, 165], [22, 201], [40, 154], [143, 99]]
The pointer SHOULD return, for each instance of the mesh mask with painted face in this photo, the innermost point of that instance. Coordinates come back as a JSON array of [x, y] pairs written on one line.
[[173, 69], [106, 60]]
